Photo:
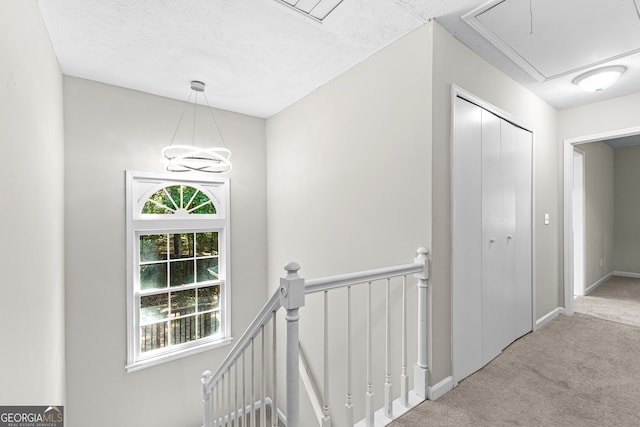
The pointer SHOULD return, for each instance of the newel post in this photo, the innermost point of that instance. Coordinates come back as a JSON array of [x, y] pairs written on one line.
[[421, 370], [291, 299], [207, 416]]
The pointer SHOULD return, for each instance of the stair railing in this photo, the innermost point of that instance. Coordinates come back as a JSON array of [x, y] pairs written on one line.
[[225, 400]]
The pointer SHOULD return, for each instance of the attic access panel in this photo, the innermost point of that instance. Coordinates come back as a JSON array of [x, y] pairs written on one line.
[[551, 38], [315, 9]]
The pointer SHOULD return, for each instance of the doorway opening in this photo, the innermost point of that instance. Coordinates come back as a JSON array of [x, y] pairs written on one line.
[[574, 254]]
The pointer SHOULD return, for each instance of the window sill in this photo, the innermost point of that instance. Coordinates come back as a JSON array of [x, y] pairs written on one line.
[[157, 360]]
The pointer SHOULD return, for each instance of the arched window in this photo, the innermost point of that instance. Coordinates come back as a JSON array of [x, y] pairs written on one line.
[[178, 275]]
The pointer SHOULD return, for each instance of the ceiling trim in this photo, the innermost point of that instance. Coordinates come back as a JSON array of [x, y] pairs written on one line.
[[471, 19]]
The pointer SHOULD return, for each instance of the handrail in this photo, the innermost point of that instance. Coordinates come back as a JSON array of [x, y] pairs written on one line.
[[342, 280], [291, 296], [267, 310]]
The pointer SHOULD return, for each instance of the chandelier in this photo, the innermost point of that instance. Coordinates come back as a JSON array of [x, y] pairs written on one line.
[[185, 158]]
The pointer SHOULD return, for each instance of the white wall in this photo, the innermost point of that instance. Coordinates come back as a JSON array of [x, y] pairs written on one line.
[[599, 117], [456, 64], [109, 130], [599, 211], [348, 189], [627, 210], [31, 256]]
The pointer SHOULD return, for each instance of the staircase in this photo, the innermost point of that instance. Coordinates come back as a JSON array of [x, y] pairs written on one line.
[[245, 390]]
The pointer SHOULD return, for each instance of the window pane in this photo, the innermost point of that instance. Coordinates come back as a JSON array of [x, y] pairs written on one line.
[[154, 308], [181, 272], [208, 324], [207, 244], [206, 209], [174, 192], [187, 194], [208, 298], [154, 336], [153, 247], [152, 208], [183, 302], [207, 269], [163, 204], [153, 276], [183, 330], [181, 245], [199, 199]]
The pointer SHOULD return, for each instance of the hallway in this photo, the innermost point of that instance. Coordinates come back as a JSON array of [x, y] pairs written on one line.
[[575, 371]]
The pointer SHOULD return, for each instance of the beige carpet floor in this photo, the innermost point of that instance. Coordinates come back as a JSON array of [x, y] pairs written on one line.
[[581, 370], [618, 300]]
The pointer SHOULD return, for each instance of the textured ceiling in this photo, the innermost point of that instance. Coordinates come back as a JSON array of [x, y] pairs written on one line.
[[256, 56], [259, 56]]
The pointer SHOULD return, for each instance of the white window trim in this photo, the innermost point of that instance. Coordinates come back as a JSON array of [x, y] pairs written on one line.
[[139, 186]]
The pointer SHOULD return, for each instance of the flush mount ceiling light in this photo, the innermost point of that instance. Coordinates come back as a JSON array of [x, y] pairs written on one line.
[[600, 78], [185, 158]]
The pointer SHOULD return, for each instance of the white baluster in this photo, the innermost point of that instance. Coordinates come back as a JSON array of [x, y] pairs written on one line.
[[292, 298], [236, 414], [225, 410], [349, 404], [326, 418], [244, 392], [213, 411], [206, 399], [369, 396], [421, 373], [252, 415], [388, 403], [263, 392], [274, 379], [404, 378]]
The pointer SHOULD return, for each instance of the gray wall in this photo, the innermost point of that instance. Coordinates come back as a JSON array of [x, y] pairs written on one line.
[[348, 184], [359, 170], [31, 257], [109, 130], [593, 120], [599, 209], [627, 210], [456, 64]]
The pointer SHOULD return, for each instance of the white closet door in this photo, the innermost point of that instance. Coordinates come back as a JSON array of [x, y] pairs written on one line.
[[493, 242], [466, 240], [491, 236], [524, 163], [508, 238]]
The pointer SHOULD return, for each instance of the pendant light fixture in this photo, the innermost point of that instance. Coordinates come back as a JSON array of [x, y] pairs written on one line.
[[185, 158]]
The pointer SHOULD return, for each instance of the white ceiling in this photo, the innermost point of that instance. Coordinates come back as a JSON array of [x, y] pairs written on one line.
[[259, 56]]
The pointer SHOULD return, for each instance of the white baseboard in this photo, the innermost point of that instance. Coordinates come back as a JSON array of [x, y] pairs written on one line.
[[549, 317], [627, 274], [438, 390], [599, 282]]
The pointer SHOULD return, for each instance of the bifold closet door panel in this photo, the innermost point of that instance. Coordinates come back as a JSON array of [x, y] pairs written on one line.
[[466, 245], [524, 208], [493, 243], [508, 237]]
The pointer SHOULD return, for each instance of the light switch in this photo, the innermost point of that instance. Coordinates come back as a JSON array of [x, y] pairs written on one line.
[[546, 219]]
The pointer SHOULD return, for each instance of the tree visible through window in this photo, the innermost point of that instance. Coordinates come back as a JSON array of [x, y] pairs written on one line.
[[178, 247]]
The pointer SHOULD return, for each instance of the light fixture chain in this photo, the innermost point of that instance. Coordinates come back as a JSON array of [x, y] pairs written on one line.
[[175, 132], [195, 113], [214, 120]]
